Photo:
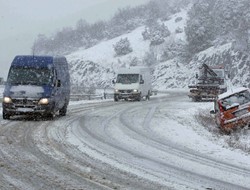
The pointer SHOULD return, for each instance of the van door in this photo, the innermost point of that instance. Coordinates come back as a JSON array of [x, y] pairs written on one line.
[[58, 91], [142, 85]]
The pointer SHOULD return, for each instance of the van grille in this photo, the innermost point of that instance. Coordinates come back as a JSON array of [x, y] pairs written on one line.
[[125, 91], [24, 102]]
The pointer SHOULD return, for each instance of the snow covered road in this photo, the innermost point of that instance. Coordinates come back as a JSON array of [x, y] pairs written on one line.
[[156, 144]]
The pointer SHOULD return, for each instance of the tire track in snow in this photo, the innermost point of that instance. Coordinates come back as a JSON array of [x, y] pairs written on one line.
[[189, 155], [175, 170], [48, 173], [98, 147], [103, 138]]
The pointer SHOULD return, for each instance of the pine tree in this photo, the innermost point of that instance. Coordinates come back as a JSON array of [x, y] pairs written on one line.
[[122, 47], [155, 33]]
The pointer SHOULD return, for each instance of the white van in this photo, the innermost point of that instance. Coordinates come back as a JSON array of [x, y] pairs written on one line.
[[132, 83]]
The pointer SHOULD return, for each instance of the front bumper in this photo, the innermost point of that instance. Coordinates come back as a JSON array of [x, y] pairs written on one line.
[[127, 95], [26, 107]]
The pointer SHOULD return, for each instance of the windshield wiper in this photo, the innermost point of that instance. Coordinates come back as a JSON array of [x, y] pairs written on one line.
[[30, 83]]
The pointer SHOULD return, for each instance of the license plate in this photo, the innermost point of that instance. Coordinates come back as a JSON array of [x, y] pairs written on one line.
[[25, 109]]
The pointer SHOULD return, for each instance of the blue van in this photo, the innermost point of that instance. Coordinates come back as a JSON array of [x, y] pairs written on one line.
[[37, 85]]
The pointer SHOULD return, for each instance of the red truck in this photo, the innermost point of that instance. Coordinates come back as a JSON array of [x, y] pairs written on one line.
[[232, 109]]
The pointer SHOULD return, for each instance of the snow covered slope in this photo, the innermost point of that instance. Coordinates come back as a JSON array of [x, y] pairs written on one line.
[[96, 66]]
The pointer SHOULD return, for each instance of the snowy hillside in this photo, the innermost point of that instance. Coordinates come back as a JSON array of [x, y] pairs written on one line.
[[104, 62], [237, 65], [103, 57], [96, 66]]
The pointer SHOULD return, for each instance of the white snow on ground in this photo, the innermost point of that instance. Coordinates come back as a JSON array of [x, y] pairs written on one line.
[[178, 125], [185, 129], [182, 127]]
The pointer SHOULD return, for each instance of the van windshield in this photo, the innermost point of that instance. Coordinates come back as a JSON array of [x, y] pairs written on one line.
[[127, 78], [30, 75], [236, 100]]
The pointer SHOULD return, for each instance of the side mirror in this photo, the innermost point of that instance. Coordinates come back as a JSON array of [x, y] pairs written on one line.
[[196, 76], [213, 112], [58, 83], [142, 82], [113, 81]]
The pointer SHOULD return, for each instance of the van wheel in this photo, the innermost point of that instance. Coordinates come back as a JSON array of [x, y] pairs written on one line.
[[50, 116], [116, 99], [6, 116], [196, 99], [63, 111], [139, 97], [148, 96]]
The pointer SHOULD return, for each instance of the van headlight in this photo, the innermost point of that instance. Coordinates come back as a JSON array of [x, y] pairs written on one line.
[[43, 101], [116, 90], [7, 100], [135, 90]]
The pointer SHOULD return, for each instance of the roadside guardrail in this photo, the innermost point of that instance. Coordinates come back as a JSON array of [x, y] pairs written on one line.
[[105, 95], [77, 97]]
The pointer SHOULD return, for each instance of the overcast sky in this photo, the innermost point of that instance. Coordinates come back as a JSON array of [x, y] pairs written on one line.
[[22, 20]]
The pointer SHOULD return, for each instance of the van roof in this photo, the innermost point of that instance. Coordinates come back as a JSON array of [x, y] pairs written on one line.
[[132, 70], [30, 60]]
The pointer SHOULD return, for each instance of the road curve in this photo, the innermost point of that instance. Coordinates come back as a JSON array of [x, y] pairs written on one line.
[[109, 145]]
